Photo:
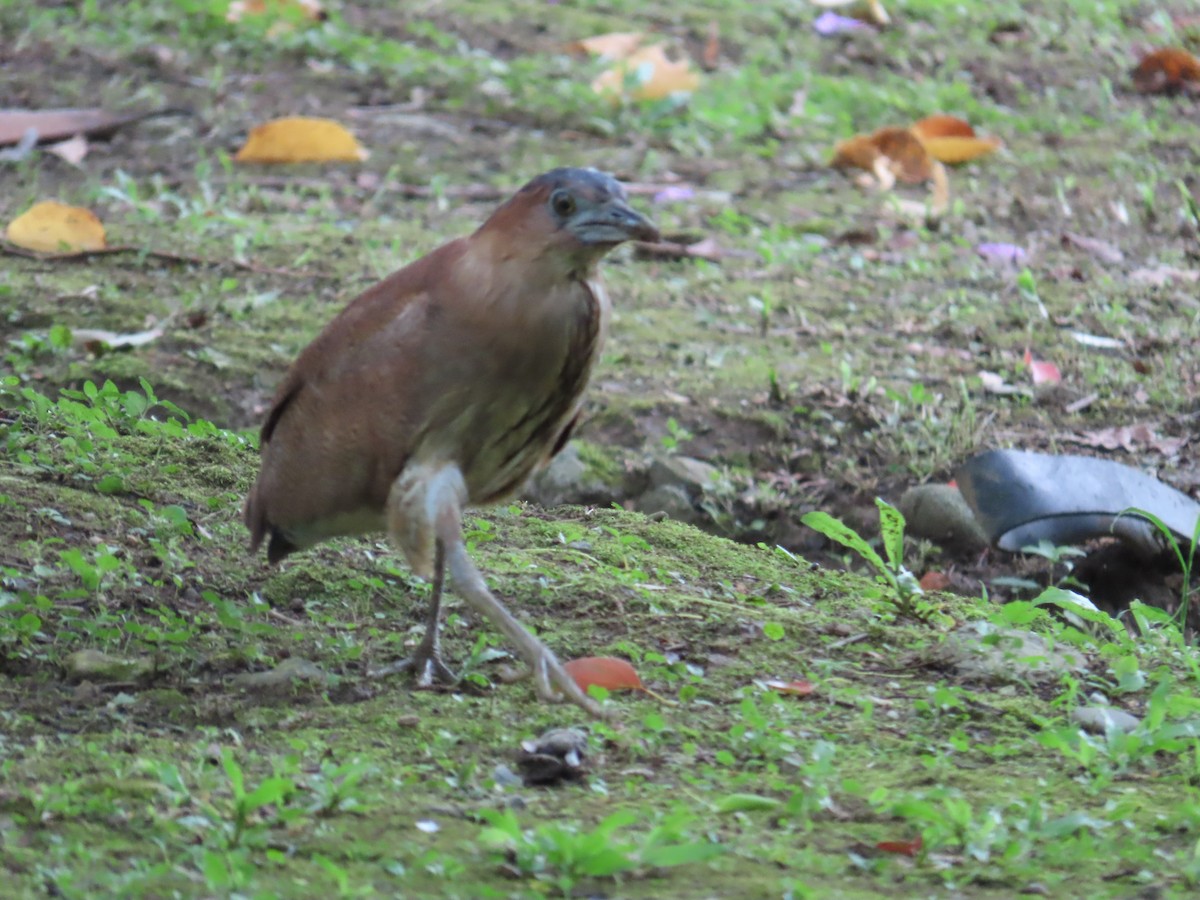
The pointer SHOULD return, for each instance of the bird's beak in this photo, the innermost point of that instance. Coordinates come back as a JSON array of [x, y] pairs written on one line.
[[611, 223]]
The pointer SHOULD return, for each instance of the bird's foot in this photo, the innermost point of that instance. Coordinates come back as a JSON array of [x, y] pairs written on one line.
[[425, 664], [551, 682]]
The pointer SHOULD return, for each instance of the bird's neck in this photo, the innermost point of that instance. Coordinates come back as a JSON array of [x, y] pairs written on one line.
[[515, 266]]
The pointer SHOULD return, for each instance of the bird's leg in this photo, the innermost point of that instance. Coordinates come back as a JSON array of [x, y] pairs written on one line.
[[426, 661], [549, 678]]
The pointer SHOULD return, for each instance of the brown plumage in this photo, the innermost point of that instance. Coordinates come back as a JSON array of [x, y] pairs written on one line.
[[445, 386]]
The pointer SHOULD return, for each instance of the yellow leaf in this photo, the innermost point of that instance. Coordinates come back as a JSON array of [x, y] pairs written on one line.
[[647, 74], [617, 45], [51, 227], [942, 126], [300, 139], [952, 150]]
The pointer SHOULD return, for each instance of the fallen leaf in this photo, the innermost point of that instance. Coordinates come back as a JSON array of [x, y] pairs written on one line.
[[300, 139], [952, 140], [1005, 253], [1042, 372], [617, 45], [604, 671], [1102, 250], [72, 150], [308, 9], [898, 149], [906, 848], [940, 126], [830, 23], [51, 227], [1169, 70], [647, 74], [791, 688], [955, 150], [1130, 438], [934, 581], [59, 124]]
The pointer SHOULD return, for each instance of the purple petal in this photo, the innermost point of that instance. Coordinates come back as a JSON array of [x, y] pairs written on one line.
[[830, 23], [1005, 253], [674, 194]]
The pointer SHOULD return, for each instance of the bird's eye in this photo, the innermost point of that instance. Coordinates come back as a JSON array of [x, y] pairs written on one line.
[[562, 203]]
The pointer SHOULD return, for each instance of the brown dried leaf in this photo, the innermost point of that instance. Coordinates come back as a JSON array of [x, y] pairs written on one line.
[[903, 153], [1130, 438], [60, 124], [1169, 70]]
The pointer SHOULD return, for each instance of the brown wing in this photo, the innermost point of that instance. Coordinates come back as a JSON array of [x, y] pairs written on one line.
[[346, 415]]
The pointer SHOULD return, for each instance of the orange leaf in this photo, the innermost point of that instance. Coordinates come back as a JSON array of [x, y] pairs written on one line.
[[906, 157], [647, 74], [792, 688], [616, 45], [942, 126], [51, 227], [300, 139], [858, 152], [935, 581], [605, 671], [952, 150], [1167, 71], [907, 848]]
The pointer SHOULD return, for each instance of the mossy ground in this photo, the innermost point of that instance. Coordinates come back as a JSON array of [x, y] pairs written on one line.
[[839, 360]]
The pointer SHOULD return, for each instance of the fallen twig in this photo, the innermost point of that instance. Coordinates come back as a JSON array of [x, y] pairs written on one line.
[[162, 255]]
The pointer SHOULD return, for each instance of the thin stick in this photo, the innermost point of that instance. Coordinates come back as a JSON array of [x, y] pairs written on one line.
[[177, 258]]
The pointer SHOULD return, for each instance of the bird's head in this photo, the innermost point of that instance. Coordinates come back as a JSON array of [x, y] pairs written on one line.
[[582, 211]]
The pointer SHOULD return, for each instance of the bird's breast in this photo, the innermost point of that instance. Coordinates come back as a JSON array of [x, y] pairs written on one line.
[[538, 388]]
